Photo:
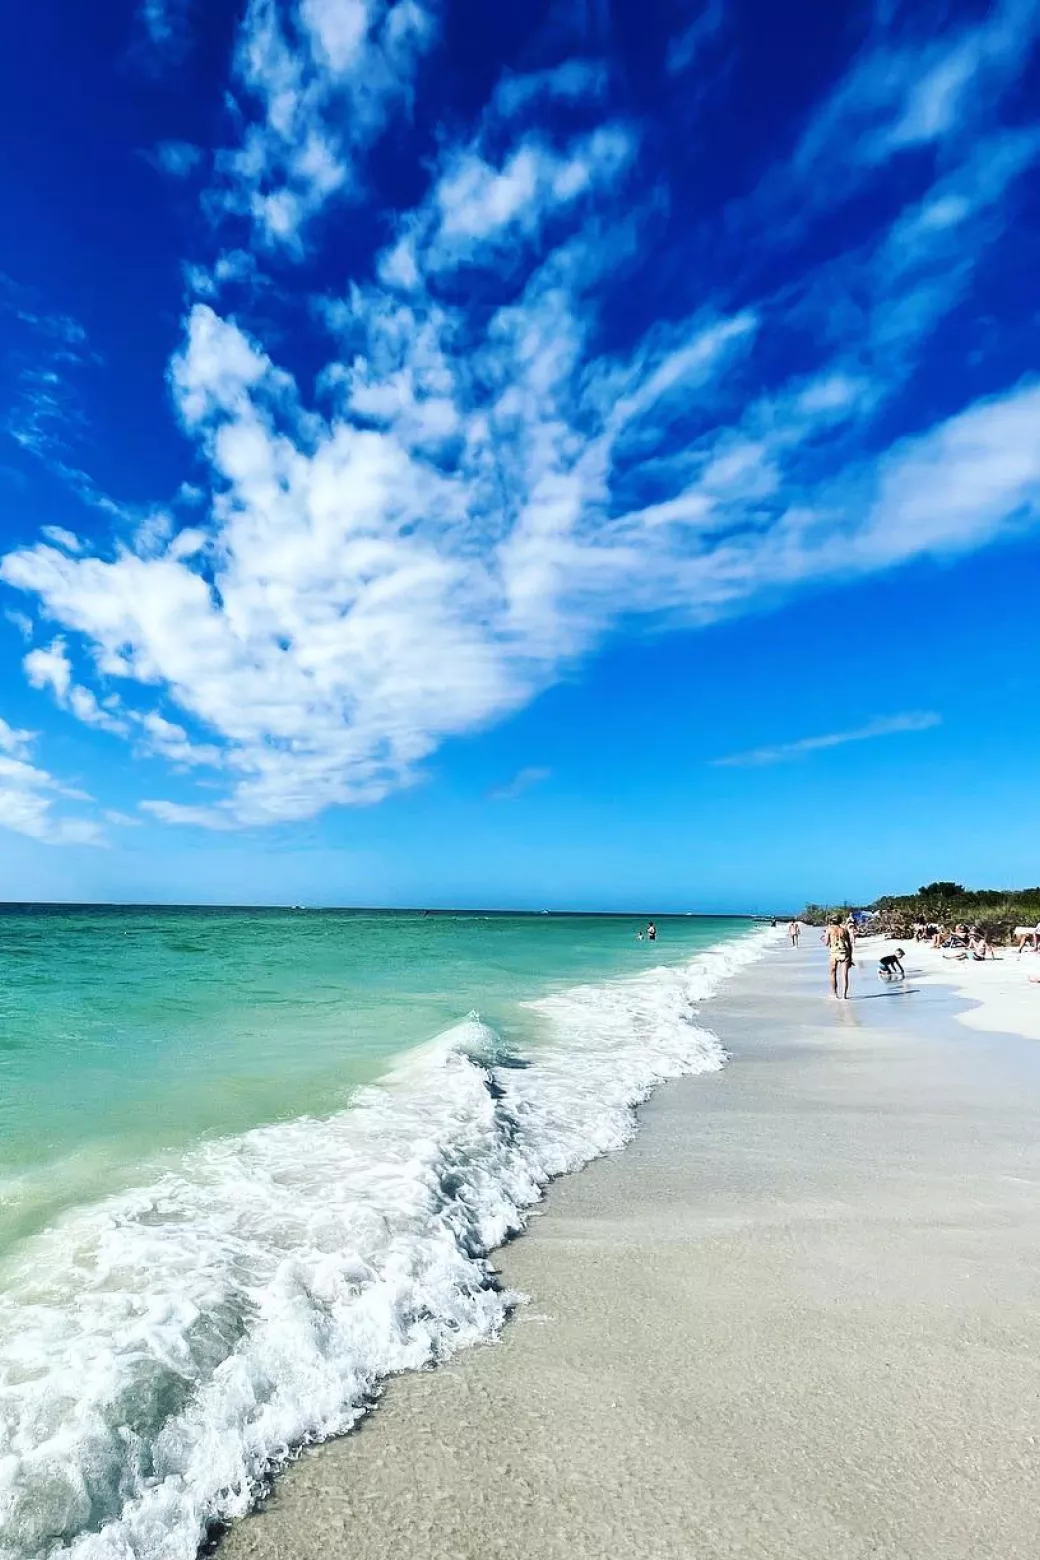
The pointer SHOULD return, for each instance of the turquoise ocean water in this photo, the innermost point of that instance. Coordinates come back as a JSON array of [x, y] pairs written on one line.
[[252, 1161]]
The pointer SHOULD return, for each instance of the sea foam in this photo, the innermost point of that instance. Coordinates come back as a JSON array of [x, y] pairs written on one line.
[[161, 1351]]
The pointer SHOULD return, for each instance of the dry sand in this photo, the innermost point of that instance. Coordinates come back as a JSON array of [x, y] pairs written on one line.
[[799, 1317], [1001, 993]]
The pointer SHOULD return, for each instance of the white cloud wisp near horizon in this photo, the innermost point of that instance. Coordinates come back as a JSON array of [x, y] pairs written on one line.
[[522, 781], [884, 726], [477, 489], [28, 796]]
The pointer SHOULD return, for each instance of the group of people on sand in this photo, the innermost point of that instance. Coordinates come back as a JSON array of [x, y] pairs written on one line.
[[964, 942]]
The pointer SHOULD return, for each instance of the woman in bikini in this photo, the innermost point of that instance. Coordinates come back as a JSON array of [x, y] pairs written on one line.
[[839, 947]]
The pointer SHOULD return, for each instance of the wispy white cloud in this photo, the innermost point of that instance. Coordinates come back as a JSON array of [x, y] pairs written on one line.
[[325, 76], [486, 482], [30, 797], [914, 88], [48, 354], [166, 739], [885, 726], [165, 28], [522, 781], [51, 668], [190, 816], [477, 205], [68, 540], [574, 81], [179, 159], [919, 88], [687, 46], [22, 622]]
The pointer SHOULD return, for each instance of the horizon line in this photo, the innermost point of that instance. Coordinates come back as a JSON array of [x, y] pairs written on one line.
[[420, 910]]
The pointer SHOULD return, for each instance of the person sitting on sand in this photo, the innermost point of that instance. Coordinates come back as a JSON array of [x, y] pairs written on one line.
[[980, 946], [976, 950], [1028, 937], [839, 947], [959, 937], [890, 967]]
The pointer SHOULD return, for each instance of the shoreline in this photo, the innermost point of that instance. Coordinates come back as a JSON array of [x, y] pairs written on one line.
[[790, 1259], [269, 1281]]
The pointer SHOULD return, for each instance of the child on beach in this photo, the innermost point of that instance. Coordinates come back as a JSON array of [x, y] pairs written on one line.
[[891, 966]]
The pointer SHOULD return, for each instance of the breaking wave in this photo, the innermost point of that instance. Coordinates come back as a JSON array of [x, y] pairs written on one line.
[[162, 1350]]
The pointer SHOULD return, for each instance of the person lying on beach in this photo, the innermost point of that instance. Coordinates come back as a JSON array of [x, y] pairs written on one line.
[[891, 966], [962, 954], [839, 947]]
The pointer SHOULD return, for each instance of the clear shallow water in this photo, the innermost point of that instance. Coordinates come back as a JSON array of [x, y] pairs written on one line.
[[251, 1162]]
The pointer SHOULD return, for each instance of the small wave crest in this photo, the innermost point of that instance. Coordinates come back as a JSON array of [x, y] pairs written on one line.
[[161, 1351]]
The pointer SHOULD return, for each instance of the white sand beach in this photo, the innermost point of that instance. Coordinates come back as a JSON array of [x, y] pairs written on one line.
[[999, 991], [798, 1319]]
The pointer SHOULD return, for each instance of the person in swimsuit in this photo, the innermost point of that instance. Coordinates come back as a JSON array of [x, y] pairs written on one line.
[[651, 933], [839, 947], [980, 946], [891, 966], [794, 931]]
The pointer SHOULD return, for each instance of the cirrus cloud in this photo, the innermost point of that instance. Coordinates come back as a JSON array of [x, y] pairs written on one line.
[[30, 797], [884, 726], [488, 476]]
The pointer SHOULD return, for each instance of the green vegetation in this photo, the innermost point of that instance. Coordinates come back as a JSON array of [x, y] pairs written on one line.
[[996, 911], [821, 915]]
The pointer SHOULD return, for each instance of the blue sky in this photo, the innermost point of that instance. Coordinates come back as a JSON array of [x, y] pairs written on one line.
[[549, 455]]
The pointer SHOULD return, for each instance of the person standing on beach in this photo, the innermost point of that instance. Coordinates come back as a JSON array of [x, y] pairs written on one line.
[[839, 947], [794, 931]]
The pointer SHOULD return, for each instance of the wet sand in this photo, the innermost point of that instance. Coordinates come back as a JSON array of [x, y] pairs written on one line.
[[798, 1319]]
